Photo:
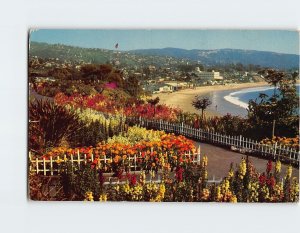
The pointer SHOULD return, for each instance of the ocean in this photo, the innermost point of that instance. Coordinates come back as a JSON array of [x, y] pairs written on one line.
[[236, 102]]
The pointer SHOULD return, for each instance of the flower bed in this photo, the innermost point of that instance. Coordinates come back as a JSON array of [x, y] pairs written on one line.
[[188, 182], [283, 141], [152, 150], [106, 104]]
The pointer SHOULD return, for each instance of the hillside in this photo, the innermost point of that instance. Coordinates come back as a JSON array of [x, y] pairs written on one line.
[[98, 56], [227, 56], [166, 56]]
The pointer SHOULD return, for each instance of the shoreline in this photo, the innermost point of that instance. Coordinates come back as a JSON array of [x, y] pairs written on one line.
[[183, 98]]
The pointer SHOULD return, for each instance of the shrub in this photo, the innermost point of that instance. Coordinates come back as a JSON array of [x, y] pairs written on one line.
[[136, 134], [56, 123]]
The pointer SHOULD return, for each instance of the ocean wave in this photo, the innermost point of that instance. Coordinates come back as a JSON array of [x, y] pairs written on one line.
[[236, 101], [232, 98]]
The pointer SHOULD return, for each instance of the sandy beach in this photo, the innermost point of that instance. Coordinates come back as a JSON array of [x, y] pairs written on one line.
[[184, 98]]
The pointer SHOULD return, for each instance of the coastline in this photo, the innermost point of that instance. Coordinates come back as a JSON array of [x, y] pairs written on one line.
[[183, 98]]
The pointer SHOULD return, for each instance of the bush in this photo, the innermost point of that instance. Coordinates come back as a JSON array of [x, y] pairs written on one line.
[[89, 135], [136, 134], [56, 123]]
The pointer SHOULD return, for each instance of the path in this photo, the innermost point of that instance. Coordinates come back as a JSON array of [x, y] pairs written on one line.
[[219, 160], [37, 96]]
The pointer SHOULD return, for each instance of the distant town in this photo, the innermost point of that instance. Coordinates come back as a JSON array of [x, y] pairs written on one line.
[[153, 79]]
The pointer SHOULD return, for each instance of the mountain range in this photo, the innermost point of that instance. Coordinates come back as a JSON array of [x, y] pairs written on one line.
[[161, 56], [228, 56]]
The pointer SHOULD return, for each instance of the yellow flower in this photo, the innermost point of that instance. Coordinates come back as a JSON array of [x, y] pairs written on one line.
[[58, 161], [278, 166], [242, 168], [233, 199], [204, 161], [205, 194], [226, 184], [88, 196], [103, 198], [289, 172], [218, 194], [230, 174]]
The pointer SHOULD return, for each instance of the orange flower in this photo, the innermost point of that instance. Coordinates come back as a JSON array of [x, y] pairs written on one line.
[[116, 158]]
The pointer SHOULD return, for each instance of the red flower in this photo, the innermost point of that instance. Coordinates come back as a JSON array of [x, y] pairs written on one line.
[[262, 179], [179, 174], [271, 182], [143, 154], [133, 180]]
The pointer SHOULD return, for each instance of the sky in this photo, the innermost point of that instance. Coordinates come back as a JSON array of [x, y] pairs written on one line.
[[264, 40]]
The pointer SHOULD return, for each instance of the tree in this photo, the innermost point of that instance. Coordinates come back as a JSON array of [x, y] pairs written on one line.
[[281, 108], [60, 73], [186, 68], [201, 103], [274, 78], [153, 103], [132, 86]]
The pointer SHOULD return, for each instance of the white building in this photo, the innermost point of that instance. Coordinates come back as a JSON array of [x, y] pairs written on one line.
[[159, 88], [208, 76]]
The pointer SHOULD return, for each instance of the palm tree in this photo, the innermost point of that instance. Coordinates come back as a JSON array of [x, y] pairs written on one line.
[[274, 77], [201, 103], [153, 103]]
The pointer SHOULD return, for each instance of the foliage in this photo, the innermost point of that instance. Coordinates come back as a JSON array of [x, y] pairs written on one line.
[[89, 134], [132, 87], [153, 102], [86, 180], [119, 105], [201, 103], [166, 150], [55, 123], [283, 141], [227, 124], [45, 188], [96, 127], [278, 111], [188, 182], [136, 134]]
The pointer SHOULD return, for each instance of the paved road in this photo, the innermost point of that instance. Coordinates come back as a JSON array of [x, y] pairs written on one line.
[[219, 160]]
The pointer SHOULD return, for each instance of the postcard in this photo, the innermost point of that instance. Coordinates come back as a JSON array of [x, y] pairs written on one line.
[[163, 115]]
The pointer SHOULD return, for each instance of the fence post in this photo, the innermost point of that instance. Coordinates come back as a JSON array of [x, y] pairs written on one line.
[[51, 165], [44, 164], [72, 160], [30, 160], [198, 155], [134, 162], [274, 152], [240, 143], [78, 158]]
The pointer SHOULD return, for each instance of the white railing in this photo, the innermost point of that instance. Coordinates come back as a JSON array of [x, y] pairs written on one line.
[[237, 143], [50, 166]]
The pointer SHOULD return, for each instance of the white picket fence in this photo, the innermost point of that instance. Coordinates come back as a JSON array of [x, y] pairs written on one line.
[[237, 143], [51, 166]]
